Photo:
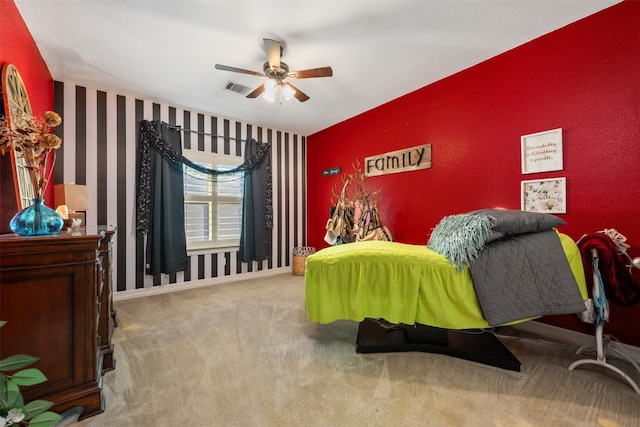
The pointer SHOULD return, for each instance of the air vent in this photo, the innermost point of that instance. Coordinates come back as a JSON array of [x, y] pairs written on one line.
[[236, 87]]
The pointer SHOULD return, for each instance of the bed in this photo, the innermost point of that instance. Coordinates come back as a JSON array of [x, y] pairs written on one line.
[[414, 298]]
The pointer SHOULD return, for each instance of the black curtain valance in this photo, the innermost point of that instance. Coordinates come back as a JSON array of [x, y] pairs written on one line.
[[150, 140]]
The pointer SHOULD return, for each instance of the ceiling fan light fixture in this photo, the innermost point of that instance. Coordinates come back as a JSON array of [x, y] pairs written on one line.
[[270, 89], [270, 85], [270, 96], [287, 91], [276, 72]]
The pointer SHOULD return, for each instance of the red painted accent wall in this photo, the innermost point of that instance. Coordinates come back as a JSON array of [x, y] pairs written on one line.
[[17, 47], [583, 78]]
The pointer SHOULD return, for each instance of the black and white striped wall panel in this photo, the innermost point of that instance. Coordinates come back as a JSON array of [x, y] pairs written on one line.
[[100, 132]]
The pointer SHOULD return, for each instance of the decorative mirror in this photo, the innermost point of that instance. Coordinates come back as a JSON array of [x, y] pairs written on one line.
[[16, 101]]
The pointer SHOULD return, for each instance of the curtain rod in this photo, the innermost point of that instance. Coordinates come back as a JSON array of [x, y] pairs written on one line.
[[205, 134]]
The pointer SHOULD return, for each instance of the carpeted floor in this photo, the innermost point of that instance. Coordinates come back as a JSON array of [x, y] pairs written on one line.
[[244, 354]]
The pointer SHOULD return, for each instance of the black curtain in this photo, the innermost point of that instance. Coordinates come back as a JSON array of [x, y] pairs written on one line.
[[160, 197], [255, 236], [166, 241]]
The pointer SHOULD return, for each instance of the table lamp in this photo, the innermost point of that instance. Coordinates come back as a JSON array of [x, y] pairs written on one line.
[[76, 198]]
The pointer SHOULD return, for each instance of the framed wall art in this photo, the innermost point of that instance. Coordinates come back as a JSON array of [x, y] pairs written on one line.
[[542, 151], [544, 195]]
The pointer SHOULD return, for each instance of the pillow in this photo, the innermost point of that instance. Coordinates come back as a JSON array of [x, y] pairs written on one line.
[[519, 222]]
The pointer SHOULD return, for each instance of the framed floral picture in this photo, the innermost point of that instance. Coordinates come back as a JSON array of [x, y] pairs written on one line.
[[544, 195]]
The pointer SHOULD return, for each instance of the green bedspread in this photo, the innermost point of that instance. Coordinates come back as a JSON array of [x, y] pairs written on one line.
[[400, 283]]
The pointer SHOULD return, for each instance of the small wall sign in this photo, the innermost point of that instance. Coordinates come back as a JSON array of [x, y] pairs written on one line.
[[331, 171], [409, 159], [542, 151]]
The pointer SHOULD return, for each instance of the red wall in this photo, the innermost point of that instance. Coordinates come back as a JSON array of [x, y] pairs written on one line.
[[583, 78], [18, 48]]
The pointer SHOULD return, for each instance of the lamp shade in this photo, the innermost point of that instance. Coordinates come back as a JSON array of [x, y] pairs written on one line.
[[287, 91], [75, 197], [270, 88]]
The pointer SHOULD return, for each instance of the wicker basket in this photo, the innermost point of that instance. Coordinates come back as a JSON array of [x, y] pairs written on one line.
[[300, 254]]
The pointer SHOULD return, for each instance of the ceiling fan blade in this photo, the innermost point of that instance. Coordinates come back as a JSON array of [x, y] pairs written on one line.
[[274, 52], [238, 70], [300, 96], [256, 92], [312, 72]]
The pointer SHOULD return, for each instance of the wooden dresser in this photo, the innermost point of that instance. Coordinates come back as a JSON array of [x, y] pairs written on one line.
[[107, 321], [55, 294]]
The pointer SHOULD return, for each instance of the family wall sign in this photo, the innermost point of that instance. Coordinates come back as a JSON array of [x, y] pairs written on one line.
[[406, 160]]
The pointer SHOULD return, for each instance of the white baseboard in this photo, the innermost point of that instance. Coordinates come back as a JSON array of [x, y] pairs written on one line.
[[176, 287], [554, 333]]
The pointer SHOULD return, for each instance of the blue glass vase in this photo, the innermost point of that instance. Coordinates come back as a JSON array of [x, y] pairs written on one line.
[[36, 220]]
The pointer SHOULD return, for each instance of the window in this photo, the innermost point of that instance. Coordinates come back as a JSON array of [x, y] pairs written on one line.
[[213, 210], [24, 182]]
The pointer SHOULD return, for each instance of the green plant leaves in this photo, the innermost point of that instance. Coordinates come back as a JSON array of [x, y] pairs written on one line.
[[9, 393], [45, 419], [36, 408], [36, 412], [27, 377], [17, 361]]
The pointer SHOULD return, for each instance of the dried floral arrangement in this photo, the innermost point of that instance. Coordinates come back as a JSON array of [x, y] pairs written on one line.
[[356, 216], [32, 137]]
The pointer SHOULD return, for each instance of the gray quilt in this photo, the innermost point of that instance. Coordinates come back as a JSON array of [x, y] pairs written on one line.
[[524, 275]]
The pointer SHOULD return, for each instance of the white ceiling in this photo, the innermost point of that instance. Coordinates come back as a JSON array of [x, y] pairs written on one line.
[[165, 51]]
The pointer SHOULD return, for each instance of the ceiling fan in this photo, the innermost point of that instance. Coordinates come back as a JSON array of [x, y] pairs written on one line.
[[277, 71]]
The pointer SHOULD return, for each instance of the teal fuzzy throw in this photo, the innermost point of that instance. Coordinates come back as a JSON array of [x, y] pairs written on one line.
[[461, 237]]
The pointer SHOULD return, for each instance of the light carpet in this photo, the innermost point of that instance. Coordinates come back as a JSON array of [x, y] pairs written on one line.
[[244, 354]]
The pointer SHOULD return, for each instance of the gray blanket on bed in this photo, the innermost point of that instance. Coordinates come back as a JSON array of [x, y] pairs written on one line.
[[524, 275], [517, 263]]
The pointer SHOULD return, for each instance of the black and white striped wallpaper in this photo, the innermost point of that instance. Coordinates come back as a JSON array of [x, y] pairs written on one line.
[[100, 131]]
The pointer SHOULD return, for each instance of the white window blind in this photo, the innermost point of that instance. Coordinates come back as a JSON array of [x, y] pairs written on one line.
[[213, 210]]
